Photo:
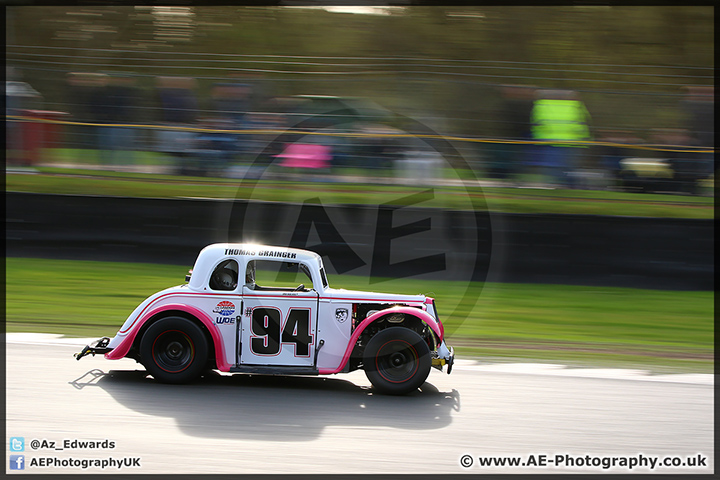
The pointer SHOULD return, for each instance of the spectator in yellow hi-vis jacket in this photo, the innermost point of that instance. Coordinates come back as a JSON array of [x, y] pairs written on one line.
[[558, 116]]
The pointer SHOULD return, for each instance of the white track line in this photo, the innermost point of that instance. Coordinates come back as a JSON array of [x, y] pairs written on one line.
[[46, 339], [565, 371], [460, 364]]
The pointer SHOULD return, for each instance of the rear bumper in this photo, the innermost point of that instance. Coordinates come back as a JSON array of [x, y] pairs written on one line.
[[100, 346]]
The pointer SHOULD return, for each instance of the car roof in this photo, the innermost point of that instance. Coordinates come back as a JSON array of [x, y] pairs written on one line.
[[213, 254]]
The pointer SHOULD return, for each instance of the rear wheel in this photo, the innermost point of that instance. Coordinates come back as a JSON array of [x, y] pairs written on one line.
[[174, 350], [397, 361]]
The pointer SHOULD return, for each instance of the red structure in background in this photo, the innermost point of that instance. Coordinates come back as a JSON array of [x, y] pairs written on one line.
[[36, 135]]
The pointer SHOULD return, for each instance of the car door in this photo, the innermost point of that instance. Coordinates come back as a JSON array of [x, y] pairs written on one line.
[[278, 327]]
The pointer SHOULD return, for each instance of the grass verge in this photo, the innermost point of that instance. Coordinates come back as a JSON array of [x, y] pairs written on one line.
[[498, 199], [659, 330]]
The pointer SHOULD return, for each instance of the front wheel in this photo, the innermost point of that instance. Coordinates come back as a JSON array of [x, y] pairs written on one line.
[[174, 350], [397, 361]]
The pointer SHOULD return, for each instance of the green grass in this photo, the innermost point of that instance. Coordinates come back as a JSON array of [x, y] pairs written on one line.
[[88, 157], [88, 181], [508, 200], [661, 330]]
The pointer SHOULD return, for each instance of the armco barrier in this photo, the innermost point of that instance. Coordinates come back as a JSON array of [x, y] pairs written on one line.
[[564, 249]]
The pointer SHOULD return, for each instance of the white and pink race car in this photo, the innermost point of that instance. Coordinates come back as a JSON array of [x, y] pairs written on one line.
[[232, 317]]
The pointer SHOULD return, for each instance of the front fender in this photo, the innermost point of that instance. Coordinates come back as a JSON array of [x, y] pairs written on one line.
[[124, 347], [425, 317]]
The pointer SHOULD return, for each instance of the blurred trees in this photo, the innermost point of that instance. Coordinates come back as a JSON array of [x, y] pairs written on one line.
[[445, 62]]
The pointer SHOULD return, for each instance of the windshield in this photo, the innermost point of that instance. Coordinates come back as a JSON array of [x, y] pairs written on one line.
[[323, 278]]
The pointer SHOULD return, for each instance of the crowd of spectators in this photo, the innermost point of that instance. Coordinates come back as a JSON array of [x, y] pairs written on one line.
[[550, 135], [545, 133], [196, 130]]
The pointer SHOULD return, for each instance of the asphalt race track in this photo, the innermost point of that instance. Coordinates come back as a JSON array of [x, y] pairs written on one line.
[[259, 424]]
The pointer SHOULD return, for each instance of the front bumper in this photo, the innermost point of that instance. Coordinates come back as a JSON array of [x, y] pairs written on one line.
[[444, 356], [100, 346]]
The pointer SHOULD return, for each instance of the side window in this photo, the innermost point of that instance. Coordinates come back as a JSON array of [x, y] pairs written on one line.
[[225, 276], [277, 275]]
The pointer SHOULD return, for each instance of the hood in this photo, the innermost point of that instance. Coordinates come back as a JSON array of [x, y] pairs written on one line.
[[359, 296]]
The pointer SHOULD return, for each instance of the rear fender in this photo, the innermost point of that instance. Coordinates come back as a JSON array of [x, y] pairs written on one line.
[[124, 347], [422, 315]]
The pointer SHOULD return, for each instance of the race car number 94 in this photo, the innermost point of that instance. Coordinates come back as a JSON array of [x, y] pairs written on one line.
[[269, 335]]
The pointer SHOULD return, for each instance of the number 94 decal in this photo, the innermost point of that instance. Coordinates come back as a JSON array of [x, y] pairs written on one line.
[[269, 334]]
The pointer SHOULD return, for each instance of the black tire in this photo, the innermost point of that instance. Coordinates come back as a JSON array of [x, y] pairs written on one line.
[[174, 350], [397, 361]]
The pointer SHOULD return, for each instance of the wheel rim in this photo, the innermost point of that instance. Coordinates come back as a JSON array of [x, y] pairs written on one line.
[[397, 361], [173, 351]]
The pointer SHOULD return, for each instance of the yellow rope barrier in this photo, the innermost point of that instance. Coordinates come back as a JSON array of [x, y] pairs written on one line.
[[650, 147]]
